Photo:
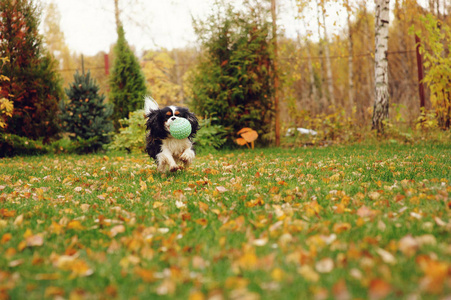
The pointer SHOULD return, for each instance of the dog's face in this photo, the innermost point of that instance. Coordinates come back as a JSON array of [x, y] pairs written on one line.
[[158, 121]]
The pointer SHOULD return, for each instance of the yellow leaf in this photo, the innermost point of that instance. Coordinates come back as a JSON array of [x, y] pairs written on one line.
[[157, 204], [53, 291], [277, 274], [75, 225], [196, 296], [308, 273]]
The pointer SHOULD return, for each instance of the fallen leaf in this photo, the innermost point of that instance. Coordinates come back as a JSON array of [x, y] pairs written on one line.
[[386, 256], [116, 230], [340, 290], [408, 245], [308, 273], [364, 212], [34, 240], [221, 189], [374, 195], [379, 289], [325, 265]]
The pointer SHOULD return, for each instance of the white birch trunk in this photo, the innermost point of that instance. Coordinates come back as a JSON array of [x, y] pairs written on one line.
[[381, 101]]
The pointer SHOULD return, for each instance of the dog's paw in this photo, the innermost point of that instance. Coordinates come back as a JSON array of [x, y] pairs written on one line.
[[175, 168], [187, 156]]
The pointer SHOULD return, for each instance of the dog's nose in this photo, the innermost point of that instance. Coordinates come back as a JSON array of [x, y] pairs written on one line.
[[172, 118]]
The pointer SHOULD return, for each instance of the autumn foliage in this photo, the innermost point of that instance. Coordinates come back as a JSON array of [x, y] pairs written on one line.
[[33, 86], [335, 222]]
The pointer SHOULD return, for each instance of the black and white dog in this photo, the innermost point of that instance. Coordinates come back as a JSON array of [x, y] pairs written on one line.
[[169, 153]]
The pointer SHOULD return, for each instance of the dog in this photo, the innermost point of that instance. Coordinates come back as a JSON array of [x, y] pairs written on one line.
[[168, 152]]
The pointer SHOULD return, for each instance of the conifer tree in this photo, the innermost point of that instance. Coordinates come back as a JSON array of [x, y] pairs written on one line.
[[233, 81], [85, 115], [33, 86], [128, 85]]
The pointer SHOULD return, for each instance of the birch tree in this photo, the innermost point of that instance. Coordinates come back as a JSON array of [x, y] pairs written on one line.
[[381, 100]]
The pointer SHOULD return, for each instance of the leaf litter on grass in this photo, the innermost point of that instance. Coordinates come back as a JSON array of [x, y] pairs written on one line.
[[312, 223]]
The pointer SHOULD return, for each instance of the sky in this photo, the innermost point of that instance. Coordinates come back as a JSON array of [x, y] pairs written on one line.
[[89, 25]]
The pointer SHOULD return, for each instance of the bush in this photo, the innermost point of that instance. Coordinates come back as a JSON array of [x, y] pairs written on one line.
[[210, 136], [132, 134], [13, 145]]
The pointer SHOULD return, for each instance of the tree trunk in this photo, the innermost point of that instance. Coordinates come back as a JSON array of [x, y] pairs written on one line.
[[320, 54], [116, 14], [312, 74], [276, 75], [329, 77], [350, 59], [381, 100]]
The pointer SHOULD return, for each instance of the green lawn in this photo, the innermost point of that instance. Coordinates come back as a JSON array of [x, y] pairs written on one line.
[[337, 222]]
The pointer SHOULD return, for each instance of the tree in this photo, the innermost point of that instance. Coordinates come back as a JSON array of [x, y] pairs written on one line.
[[85, 115], [55, 42], [381, 100], [127, 84], [33, 86], [350, 56], [158, 69], [329, 78], [436, 48], [233, 79], [6, 106]]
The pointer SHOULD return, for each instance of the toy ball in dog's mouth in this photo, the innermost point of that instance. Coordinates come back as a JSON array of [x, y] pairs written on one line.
[[180, 128]]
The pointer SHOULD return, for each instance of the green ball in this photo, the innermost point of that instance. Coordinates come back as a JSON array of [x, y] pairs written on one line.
[[180, 128]]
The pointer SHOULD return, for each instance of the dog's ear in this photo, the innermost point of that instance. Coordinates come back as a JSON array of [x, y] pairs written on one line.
[[194, 124], [155, 125], [150, 105]]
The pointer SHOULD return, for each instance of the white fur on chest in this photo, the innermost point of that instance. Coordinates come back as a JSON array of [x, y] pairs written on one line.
[[175, 146]]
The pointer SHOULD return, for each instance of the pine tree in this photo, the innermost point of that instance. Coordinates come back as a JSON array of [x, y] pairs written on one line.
[[85, 115], [33, 86], [128, 84]]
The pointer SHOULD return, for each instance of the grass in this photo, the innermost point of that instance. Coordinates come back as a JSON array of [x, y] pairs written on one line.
[[344, 221]]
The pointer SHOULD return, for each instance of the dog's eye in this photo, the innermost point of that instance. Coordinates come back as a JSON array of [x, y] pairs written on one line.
[[168, 113], [177, 113]]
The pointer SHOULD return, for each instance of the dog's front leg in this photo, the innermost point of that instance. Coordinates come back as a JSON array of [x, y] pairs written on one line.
[[166, 161], [187, 157]]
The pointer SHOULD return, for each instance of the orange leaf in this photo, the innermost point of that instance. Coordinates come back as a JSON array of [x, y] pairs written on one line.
[[5, 213], [340, 227], [6, 238], [146, 275], [202, 222], [379, 289]]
